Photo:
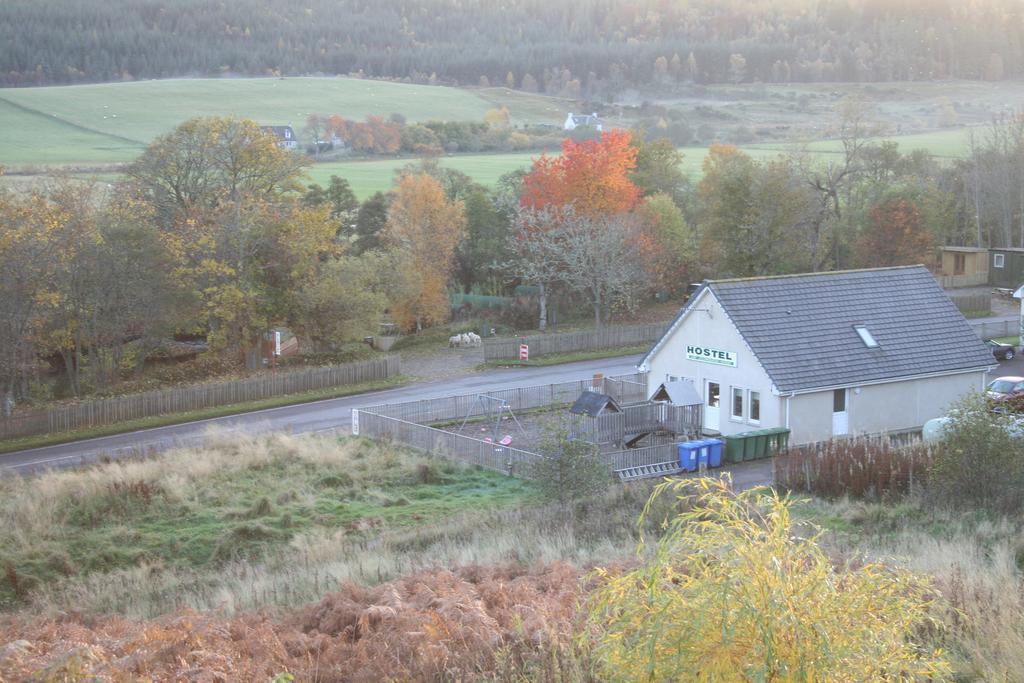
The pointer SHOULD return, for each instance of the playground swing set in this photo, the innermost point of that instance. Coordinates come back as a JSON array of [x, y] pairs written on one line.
[[494, 411]]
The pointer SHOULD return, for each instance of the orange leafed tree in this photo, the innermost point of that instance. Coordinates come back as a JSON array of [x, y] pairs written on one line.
[[591, 176], [423, 229], [894, 237]]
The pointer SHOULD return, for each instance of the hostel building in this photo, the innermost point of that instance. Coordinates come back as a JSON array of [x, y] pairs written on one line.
[[824, 354]]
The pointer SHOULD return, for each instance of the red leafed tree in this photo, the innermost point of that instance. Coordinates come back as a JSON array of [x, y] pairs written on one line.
[[591, 176], [894, 237]]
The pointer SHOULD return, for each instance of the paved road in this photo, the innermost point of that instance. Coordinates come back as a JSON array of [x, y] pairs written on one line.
[[320, 416]]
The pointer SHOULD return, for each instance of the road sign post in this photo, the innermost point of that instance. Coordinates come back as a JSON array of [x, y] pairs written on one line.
[[524, 352]]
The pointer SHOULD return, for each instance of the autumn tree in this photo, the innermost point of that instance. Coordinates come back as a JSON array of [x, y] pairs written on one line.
[[732, 591], [595, 256], [225, 197], [833, 180], [600, 259], [316, 127], [341, 201], [754, 218], [30, 248], [895, 236], [534, 243], [666, 245], [371, 219], [343, 299], [658, 168], [484, 251], [424, 227], [205, 162], [592, 176]]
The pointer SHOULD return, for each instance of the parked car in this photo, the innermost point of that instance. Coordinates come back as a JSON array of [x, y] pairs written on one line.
[[1002, 388], [1000, 350], [934, 430]]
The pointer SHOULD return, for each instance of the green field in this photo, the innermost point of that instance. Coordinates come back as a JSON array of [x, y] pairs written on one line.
[[111, 122], [367, 177], [89, 127]]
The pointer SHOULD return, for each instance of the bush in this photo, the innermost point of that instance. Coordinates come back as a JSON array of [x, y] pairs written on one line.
[[570, 469], [860, 468], [979, 463], [732, 593]]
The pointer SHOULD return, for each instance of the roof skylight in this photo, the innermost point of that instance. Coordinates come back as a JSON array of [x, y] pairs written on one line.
[[865, 336]]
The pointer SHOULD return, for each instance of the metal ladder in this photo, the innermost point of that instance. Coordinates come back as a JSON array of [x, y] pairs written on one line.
[[659, 469]]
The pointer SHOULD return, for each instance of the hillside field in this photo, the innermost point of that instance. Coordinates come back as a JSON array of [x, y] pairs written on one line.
[[112, 122], [88, 128]]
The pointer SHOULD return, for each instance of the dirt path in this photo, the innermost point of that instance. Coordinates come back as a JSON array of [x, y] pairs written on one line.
[[441, 363]]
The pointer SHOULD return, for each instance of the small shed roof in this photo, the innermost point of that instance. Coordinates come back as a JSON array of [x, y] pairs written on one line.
[[592, 404], [679, 393]]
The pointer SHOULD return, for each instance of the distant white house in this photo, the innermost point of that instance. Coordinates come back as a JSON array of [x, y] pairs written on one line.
[[574, 121], [285, 136]]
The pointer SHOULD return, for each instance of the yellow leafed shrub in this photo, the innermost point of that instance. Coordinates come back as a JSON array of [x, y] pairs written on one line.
[[731, 592]]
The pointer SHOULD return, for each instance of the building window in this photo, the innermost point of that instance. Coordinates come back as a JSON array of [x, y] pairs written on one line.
[[839, 401], [713, 394], [866, 337], [998, 260], [959, 264], [737, 403], [755, 406]]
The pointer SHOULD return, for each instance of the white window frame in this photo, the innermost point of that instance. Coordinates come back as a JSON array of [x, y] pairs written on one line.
[[998, 260], [732, 404], [750, 407]]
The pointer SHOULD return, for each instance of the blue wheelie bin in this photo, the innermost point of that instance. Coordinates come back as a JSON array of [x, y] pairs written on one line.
[[715, 447], [688, 454]]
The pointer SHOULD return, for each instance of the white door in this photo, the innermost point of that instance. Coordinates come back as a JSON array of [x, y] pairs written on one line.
[[840, 415], [712, 397]]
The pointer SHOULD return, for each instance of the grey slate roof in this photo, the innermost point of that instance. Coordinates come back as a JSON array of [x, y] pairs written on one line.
[[592, 404], [801, 327]]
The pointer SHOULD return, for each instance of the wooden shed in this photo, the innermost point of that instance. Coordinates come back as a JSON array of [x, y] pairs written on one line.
[[594, 404]]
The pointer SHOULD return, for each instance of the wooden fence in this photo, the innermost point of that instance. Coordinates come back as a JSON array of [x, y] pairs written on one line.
[[635, 457], [638, 420], [406, 423], [565, 342], [623, 388], [114, 410], [987, 329], [954, 281], [505, 459], [972, 302], [491, 456]]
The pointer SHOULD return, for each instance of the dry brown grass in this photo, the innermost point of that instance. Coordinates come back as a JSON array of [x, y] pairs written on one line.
[[477, 622]]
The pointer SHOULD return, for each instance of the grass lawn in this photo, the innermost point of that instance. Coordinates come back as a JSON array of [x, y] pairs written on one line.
[[12, 445], [238, 500]]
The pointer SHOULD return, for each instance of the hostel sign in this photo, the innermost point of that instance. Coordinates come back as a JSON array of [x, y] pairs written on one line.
[[706, 354]]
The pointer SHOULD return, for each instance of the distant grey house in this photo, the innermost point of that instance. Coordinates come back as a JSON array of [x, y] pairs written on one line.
[[574, 121], [824, 354], [285, 136]]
